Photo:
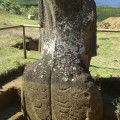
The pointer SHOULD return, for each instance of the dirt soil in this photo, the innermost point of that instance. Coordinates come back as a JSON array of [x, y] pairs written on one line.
[[109, 23], [10, 100], [16, 84]]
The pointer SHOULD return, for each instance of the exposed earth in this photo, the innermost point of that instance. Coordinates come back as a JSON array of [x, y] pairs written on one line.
[[109, 23], [10, 108]]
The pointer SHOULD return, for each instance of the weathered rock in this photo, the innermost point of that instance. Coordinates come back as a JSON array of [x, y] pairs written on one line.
[[57, 87], [118, 113]]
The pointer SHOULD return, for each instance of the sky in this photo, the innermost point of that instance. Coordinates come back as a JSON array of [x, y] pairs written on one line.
[[112, 3]]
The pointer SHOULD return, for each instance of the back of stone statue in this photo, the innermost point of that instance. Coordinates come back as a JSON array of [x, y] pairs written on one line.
[[58, 87]]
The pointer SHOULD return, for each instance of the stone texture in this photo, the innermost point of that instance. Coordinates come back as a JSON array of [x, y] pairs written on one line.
[[76, 99], [57, 87]]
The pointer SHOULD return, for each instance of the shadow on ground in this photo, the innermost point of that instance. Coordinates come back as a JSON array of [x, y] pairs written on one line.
[[110, 91]]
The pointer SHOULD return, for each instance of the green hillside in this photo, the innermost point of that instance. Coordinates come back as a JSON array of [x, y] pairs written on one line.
[[28, 2], [105, 12]]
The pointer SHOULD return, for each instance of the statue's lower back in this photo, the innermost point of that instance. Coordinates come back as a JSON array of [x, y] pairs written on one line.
[[58, 87]]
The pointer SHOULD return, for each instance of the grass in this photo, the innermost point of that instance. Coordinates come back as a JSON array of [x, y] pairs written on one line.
[[13, 19], [107, 62], [10, 57], [105, 12], [13, 58]]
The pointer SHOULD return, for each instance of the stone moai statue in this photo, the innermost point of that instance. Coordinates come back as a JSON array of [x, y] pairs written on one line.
[[58, 87]]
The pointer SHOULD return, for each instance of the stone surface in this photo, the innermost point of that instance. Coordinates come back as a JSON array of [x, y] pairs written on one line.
[[57, 87]]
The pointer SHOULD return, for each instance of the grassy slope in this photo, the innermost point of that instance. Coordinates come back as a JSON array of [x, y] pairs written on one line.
[[10, 57], [107, 62], [105, 12], [12, 19], [13, 58]]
